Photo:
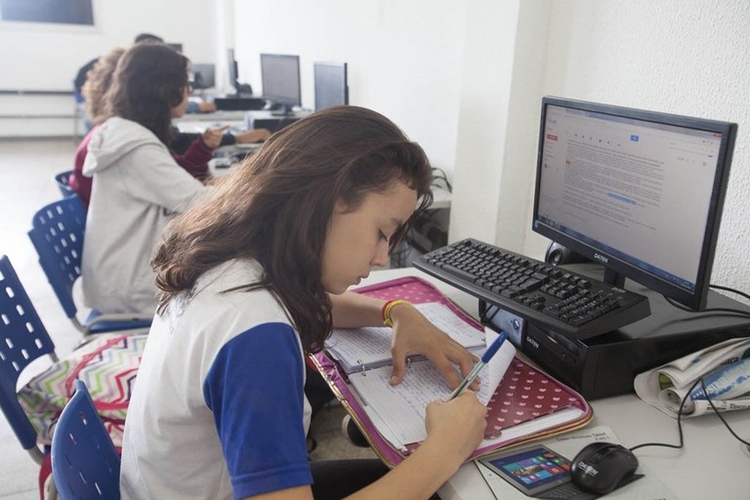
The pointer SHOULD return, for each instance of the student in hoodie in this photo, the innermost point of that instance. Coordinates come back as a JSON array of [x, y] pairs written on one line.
[[137, 184], [254, 277], [195, 150]]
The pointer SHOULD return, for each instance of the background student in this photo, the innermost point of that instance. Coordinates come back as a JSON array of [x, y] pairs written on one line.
[[137, 184], [195, 150], [254, 277]]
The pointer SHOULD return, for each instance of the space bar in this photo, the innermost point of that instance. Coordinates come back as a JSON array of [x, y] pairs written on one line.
[[458, 272]]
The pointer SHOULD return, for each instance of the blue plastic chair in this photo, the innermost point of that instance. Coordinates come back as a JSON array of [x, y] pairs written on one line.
[[57, 234], [23, 339], [61, 180], [85, 463]]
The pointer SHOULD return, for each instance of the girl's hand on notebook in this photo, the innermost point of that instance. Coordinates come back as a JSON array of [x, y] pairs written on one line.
[[414, 334]]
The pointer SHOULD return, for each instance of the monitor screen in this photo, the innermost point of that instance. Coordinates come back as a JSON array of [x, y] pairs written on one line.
[[637, 191], [331, 88], [232, 68], [204, 76], [281, 81]]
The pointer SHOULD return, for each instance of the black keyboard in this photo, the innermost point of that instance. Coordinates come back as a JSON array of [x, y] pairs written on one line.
[[569, 303]]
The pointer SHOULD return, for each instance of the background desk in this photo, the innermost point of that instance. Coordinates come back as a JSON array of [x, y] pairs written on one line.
[[712, 464], [239, 121]]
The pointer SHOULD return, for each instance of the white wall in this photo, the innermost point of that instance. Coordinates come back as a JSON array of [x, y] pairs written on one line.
[[685, 57], [46, 56], [404, 57], [465, 79]]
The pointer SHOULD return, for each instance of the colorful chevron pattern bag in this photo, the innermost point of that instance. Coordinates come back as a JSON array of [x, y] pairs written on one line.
[[107, 364]]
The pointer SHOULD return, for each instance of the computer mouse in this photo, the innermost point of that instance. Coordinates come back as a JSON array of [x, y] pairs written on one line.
[[602, 467]]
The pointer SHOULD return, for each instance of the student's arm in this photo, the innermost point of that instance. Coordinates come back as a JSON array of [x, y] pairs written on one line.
[[454, 430], [412, 334]]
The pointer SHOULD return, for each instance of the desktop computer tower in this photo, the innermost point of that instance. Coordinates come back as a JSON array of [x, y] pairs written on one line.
[[606, 365]]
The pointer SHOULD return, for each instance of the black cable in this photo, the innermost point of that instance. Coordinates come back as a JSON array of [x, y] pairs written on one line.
[[721, 417], [441, 177], [679, 423], [679, 420], [732, 290], [709, 310]]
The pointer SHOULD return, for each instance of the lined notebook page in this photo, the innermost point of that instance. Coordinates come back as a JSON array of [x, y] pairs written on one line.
[[371, 347], [400, 410]]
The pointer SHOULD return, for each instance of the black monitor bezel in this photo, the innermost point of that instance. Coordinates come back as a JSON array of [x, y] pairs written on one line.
[[695, 300], [281, 100], [330, 64]]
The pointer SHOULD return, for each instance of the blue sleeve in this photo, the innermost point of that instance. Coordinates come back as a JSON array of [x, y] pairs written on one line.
[[255, 390]]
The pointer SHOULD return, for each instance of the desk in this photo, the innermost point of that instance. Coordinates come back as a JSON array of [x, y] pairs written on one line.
[[712, 464], [237, 120]]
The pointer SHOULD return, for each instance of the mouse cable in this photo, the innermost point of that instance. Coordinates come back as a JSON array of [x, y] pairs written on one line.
[[679, 420]]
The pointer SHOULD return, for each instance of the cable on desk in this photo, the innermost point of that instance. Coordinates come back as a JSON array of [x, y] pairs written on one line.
[[679, 420]]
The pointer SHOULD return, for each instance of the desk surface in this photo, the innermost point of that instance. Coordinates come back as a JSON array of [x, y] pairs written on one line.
[[712, 463]]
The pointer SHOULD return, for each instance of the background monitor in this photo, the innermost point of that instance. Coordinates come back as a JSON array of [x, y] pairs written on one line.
[[281, 81], [204, 76], [232, 68], [637, 191], [331, 87]]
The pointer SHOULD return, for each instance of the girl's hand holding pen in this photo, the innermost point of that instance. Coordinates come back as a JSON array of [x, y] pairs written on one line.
[[458, 425]]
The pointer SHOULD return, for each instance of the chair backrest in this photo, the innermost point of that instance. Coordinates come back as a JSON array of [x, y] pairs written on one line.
[[61, 180], [23, 339], [57, 234], [85, 463]]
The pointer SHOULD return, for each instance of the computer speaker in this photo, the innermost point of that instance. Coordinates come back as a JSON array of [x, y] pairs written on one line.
[[558, 254]]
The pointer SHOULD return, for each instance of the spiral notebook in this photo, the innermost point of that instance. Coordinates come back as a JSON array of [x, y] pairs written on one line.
[[527, 403]]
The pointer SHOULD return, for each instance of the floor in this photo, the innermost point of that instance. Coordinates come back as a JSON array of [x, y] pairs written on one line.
[[26, 184]]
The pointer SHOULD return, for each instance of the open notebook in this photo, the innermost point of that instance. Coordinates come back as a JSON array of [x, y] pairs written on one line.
[[525, 404]]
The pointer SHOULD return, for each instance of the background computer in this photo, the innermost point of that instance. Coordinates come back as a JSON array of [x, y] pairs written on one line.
[[280, 75], [331, 85], [241, 89], [204, 76]]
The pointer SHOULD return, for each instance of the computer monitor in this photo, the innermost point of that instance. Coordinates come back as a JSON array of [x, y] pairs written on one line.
[[331, 87], [281, 81], [638, 191], [204, 76], [232, 68]]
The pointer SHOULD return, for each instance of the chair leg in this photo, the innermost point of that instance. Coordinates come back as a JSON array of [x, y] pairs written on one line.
[[50, 489]]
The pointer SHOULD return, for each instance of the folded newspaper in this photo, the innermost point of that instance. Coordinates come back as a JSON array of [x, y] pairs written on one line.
[[724, 368]]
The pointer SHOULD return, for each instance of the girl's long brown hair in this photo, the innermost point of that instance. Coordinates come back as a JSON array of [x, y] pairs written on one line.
[[149, 80], [276, 208]]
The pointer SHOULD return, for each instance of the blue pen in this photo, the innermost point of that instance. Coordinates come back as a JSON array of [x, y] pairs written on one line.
[[486, 357]]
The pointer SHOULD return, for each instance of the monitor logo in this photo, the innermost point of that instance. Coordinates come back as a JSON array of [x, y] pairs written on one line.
[[601, 257]]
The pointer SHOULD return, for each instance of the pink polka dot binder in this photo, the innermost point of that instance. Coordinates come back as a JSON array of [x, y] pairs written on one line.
[[525, 397]]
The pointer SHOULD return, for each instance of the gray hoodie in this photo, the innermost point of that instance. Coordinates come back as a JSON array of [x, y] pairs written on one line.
[[137, 186]]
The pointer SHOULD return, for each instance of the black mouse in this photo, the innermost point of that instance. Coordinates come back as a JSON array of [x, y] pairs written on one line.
[[602, 467]]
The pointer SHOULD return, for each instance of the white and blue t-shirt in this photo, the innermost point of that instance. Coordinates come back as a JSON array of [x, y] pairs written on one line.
[[218, 409]]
